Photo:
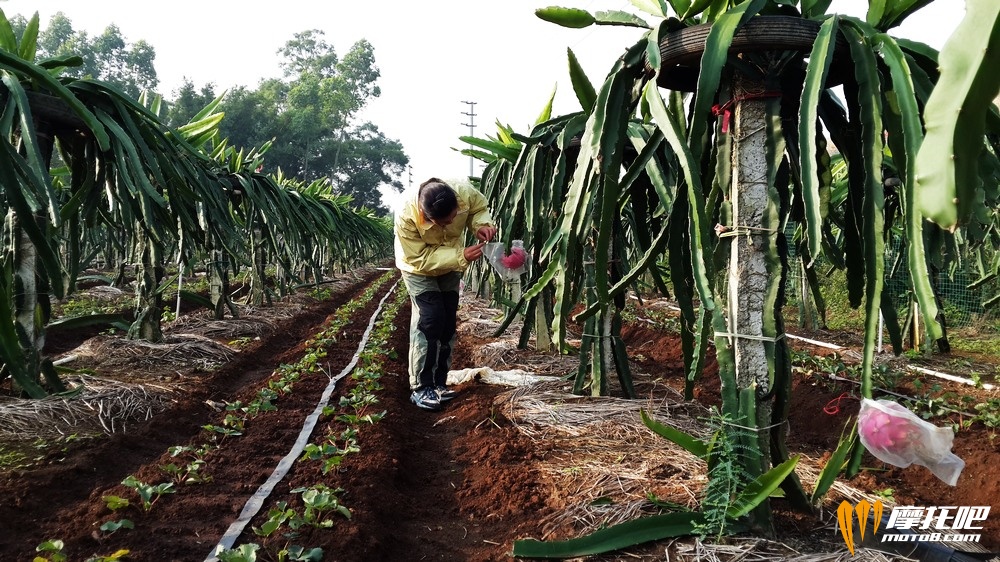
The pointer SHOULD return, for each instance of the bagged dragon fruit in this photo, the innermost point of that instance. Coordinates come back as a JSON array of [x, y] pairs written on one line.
[[899, 437], [510, 265]]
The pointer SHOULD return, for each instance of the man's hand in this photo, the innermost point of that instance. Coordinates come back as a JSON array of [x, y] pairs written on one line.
[[473, 253], [486, 233]]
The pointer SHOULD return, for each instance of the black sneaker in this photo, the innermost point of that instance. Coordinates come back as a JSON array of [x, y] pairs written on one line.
[[426, 398], [444, 394]]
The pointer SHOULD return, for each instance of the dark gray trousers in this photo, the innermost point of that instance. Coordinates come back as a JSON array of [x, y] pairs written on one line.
[[433, 319]]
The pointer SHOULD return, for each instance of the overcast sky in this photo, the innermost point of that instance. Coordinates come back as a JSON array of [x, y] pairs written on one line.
[[433, 55]]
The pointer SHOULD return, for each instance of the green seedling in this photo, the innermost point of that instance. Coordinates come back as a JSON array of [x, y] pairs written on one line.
[[276, 517], [241, 342], [114, 503], [282, 385], [298, 553], [354, 419], [148, 493], [111, 526], [988, 413], [358, 399], [52, 551], [886, 494], [187, 474], [242, 553], [235, 422], [196, 453], [320, 500], [222, 430]]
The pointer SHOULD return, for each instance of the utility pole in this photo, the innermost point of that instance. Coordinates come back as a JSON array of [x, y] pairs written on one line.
[[472, 128], [409, 169]]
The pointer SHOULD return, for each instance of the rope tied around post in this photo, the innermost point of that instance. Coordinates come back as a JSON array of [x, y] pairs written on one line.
[[726, 109], [766, 339]]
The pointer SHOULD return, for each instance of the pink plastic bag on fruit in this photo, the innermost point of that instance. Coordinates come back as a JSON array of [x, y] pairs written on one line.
[[511, 265], [899, 437]]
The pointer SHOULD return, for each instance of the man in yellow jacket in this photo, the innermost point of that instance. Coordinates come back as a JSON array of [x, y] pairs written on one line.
[[432, 256]]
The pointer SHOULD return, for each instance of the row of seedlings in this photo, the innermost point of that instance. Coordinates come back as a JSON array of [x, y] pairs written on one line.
[[191, 464], [319, 504]]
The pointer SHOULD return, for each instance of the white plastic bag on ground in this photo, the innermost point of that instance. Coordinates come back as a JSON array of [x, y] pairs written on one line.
[[511, 377], [510, 266], [899, 437]]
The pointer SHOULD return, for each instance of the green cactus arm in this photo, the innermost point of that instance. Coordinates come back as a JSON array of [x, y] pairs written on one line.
[[955, 116]]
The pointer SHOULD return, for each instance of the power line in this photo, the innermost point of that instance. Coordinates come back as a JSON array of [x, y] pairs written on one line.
[[472, 129]]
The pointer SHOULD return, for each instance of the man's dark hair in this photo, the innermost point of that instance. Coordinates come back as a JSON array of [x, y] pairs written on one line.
[[437, 199]]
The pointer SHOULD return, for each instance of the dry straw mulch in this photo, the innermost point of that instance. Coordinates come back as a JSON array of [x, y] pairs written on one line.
[[604, 463]]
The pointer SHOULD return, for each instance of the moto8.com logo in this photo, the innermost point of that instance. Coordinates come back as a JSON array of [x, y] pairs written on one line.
[[935, 523]]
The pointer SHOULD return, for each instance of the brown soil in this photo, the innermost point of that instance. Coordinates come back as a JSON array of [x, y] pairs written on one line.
[[460, 484]]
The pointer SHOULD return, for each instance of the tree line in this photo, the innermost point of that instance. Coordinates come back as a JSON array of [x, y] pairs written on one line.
[[310, 116]]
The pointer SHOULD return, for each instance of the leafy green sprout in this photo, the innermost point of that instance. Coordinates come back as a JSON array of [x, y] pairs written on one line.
[[110, 527], [52, 551], [319, 500], [241, 342], [886, 494], [114, 503], [300, 554], [148, 493], [242, 553], [276, 517], [222, 430], [190, 473]]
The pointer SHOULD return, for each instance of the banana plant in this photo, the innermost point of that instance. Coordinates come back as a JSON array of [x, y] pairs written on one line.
[[730, 160]]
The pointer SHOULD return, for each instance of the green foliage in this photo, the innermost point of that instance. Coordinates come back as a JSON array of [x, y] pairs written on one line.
[[308, 120], [622, 535], [108, 56], [222, 430], [111, 527], [835, 465], [83, 304], [320, 294], [726, 474], [987, 413], [566, 17], [585, 92], [114, 503], [319, 501], [190, 473], [52, 551], [148, 493], [886, 494], [948, 174], [11, 459], [300, 553], [242, 553], [182, 189]]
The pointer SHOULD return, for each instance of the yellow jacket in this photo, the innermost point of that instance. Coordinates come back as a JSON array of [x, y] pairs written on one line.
[[425, 248]]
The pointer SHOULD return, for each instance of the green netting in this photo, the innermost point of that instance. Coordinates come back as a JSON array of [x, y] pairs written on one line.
[[961, 303]]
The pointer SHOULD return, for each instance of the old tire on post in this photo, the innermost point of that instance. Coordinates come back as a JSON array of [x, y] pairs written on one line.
[[681, 50]]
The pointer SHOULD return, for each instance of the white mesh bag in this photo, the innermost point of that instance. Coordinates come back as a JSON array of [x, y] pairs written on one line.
[[510, 266], [899, 437]]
